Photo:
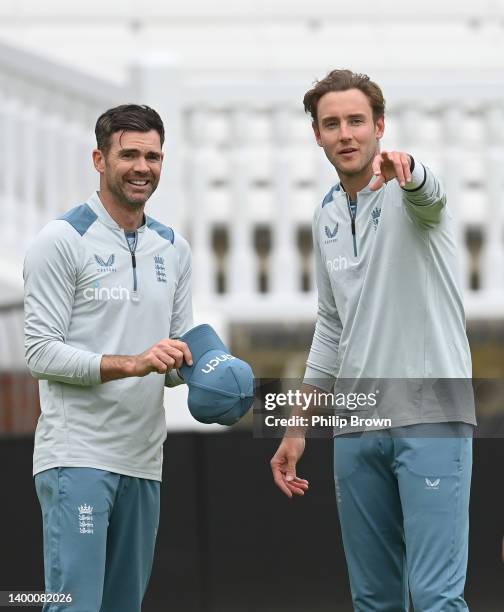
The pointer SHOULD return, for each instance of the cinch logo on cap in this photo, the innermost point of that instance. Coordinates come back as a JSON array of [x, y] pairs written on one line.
[[213, 363], [221, 386]]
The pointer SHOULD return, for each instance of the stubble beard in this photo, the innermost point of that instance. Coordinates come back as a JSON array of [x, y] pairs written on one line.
[[123, 199], [361, 169]]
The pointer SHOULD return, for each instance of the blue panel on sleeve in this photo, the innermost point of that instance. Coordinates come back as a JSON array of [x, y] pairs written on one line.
[[80, 218], [329, 196], [163, 230]]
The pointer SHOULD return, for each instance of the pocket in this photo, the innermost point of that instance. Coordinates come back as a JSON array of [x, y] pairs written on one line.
[[346, 455], [87, 487], [46, 486], [434, 457]]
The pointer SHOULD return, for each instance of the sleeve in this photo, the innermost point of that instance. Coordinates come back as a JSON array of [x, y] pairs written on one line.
[[424, 197], [323, 362], [50, 274], [182, 313]]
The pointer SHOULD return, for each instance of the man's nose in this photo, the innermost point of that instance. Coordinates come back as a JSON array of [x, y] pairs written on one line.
[[141, 164], [345, 133]]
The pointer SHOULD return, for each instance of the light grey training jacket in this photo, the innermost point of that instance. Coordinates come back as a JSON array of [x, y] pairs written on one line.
[[389, 301], [87, 293]]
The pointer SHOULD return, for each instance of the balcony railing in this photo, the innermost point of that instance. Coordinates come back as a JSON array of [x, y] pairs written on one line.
[[242, 173]]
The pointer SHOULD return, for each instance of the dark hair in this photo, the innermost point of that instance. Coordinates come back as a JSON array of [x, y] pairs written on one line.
[[342, 80], [129, 118]]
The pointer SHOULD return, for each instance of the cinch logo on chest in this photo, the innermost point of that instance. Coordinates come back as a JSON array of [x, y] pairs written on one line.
[[331, 233], [99, 293], [105, 266]]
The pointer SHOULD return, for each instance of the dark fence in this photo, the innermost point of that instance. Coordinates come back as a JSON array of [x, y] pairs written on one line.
[[229, 541]]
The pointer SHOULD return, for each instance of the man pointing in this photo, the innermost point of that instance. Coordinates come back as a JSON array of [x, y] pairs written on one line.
[[391, 309]]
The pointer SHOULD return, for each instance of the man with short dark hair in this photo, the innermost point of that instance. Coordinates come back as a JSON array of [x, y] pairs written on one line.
[[102, 284], [389, 307]]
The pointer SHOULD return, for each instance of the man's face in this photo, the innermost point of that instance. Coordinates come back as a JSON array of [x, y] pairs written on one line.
[[346, 131], [131, 168]]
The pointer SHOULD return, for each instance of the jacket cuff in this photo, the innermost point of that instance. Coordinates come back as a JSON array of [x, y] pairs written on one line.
[[418, 178], [319, 379], [95, 370]]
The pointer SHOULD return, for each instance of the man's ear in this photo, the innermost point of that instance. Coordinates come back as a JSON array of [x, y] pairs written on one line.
[[99, 160], [316, 131], [380, 127]]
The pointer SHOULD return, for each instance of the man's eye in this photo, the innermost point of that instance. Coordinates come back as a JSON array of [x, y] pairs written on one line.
[[356, 121]]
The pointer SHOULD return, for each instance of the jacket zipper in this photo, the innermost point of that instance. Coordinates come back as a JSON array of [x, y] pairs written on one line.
[[132, 249], [352, 220]]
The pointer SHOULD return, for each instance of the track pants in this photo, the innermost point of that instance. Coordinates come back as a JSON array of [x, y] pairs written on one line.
[[99, 534], [403, 504]]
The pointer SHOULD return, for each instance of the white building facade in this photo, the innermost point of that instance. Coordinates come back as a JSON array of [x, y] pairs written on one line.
[[242, 172]]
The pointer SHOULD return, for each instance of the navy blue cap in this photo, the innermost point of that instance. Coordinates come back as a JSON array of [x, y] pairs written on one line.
[[221, 386]]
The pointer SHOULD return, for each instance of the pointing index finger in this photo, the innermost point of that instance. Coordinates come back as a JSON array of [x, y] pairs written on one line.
[[377, 162], [377, 183]]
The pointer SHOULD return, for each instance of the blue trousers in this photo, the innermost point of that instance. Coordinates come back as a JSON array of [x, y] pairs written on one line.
[[403, 504], [99, 535]]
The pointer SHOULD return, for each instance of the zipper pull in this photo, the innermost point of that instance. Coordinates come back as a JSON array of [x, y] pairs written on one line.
[[134, 296], [354, 237]]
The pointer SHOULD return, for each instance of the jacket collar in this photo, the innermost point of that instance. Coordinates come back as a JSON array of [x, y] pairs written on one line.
[[365, 190], [97, 207]]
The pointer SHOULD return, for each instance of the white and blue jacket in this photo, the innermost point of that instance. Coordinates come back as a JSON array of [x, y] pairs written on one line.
[[389, 300], [88, 292]]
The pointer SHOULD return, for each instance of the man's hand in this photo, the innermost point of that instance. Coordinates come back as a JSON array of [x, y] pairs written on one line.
[[283, 466], [391, 164], [161, 358]]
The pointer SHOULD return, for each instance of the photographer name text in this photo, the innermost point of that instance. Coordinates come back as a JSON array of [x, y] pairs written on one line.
[[334, 421]]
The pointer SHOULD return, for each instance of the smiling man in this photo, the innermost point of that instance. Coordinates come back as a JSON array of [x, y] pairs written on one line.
[[103, 284], [389, 307]]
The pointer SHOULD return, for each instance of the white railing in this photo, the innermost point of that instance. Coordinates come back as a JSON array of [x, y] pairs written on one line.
[[47, 115], [242, 173], [272, 174]]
